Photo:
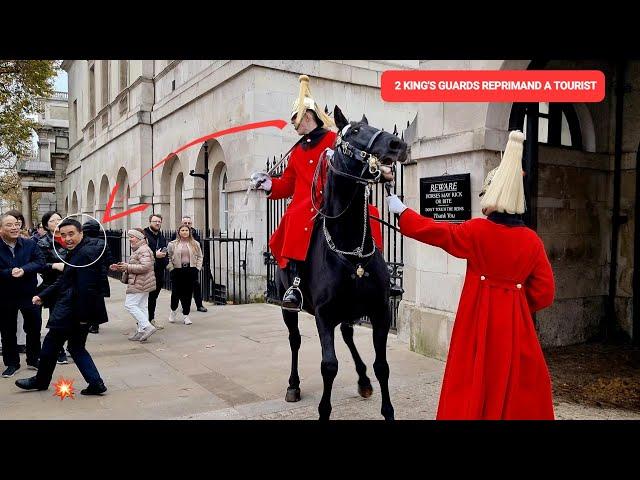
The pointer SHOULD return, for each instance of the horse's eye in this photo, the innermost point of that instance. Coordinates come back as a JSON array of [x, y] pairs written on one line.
[[356, 130]]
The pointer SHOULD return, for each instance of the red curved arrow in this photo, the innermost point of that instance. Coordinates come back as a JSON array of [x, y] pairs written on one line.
[[249, 126]]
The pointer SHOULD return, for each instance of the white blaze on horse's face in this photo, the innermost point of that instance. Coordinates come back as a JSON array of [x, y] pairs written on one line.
[[344, 130]]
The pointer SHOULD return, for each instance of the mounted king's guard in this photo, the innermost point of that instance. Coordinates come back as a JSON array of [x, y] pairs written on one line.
[[290, 242]]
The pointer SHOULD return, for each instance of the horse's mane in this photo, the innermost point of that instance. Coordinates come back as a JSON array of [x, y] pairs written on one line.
[[319, 182]]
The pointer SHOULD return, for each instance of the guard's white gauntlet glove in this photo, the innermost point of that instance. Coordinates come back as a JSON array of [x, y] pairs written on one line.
[[395, 204], [260, 180]]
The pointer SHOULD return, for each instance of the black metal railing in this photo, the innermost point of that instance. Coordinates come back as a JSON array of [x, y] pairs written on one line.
[[225, 282]]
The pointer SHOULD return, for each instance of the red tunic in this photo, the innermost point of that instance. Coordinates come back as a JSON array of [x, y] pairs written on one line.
[[376, 227], [495, 367], [292, 237]]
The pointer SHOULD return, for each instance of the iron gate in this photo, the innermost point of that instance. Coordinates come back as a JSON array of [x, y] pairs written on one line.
[[224, 282]]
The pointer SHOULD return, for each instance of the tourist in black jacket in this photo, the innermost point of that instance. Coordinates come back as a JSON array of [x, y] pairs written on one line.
[[80, 303]]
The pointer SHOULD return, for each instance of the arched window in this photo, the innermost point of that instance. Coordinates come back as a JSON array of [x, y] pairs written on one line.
[[557, 123], [222, 201], [179, 201]]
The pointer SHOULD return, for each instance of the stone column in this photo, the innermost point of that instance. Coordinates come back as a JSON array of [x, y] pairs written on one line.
[[26, 207]]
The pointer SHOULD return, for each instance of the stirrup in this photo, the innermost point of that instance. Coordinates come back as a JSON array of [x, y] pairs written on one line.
[[295, 286]]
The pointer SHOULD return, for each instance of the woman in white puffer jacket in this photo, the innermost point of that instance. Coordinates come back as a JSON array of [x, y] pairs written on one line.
[[138, 274]]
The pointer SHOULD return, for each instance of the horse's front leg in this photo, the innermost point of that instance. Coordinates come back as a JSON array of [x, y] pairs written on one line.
[[328, 366], [365, 389], [380, 323], [291, 320]]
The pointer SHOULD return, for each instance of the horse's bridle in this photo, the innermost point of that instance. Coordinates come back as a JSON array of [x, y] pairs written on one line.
[[369, 160]]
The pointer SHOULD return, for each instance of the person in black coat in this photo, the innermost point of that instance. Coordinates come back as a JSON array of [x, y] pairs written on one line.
[[158, 245], [93, 235], [54, 254], [80, 304], [20, 260]]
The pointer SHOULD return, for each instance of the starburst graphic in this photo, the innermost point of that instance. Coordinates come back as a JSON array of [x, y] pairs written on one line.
[[64, 388]]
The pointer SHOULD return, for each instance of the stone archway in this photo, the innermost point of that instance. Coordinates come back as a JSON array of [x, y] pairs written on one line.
[[219, 198], [172, 200], [216, 163], [74, 204]]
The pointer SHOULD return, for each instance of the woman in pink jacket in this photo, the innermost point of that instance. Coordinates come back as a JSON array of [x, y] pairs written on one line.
[[138, 274]]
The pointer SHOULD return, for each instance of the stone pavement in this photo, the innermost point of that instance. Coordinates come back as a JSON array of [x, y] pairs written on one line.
[[234, 363]]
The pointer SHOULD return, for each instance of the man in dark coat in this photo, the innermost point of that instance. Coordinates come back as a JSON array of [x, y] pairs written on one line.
[[20, 260], [93, 235], [158, 245], [80, 304]]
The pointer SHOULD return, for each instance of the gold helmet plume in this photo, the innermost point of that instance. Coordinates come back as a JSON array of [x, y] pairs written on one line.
[[306, 102]]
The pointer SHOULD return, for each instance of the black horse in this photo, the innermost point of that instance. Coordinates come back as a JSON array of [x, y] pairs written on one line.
[[345, 277]]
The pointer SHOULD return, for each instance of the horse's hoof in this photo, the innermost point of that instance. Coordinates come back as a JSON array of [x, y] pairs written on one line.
[[293, 395], [365, 391]]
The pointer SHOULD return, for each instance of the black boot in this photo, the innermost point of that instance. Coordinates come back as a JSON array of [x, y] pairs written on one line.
[[30, 384], [292, 300], [94, 389], [94, 329]]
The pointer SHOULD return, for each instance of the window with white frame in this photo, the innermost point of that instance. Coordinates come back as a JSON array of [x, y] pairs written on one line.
[[222, 201]]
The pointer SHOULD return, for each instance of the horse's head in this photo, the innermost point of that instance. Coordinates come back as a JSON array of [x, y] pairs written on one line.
[[366, 145]]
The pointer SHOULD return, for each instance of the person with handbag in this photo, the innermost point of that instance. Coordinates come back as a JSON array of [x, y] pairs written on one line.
[[140, 278], [185, 261]]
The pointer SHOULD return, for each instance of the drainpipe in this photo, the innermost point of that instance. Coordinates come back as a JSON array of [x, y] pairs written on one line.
[[610, 320], [153, 193], [635, 333], [153, 184]]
